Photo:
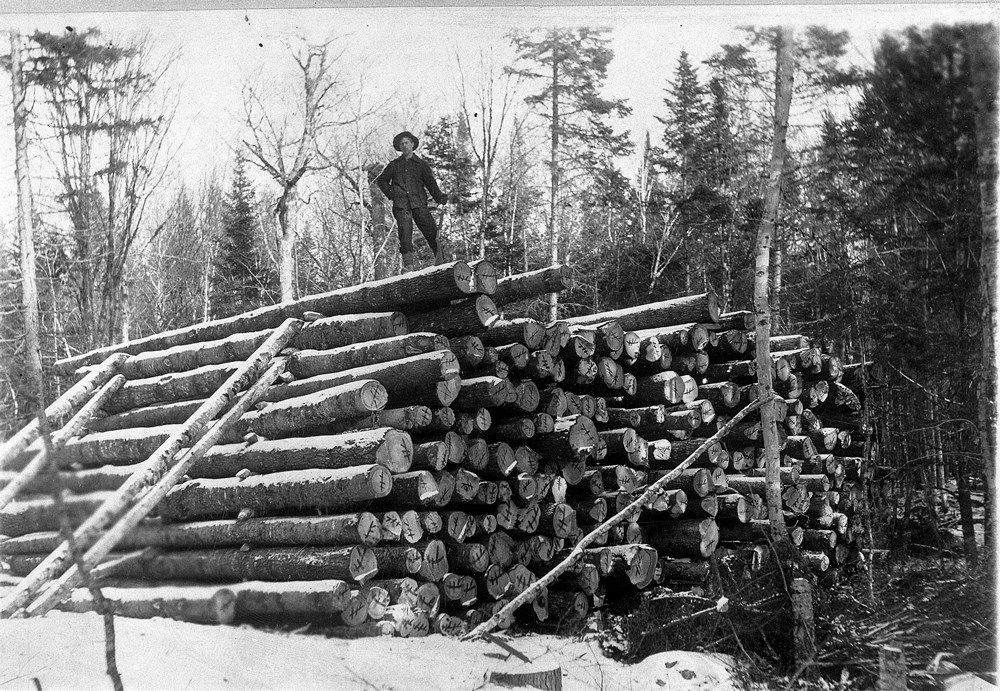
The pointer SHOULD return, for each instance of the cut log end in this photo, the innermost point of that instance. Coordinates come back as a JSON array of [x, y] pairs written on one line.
[[373, 396], [363, 564]]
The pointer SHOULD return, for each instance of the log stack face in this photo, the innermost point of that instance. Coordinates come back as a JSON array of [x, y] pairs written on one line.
[[404, 482]]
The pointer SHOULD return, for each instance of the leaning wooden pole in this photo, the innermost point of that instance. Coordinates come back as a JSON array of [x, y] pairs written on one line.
[[153, 469], [761, 305], [74, 396], [40, 460], [142, 508], [629, 511]]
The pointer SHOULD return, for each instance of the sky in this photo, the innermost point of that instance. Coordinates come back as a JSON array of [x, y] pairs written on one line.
[[412, 50]]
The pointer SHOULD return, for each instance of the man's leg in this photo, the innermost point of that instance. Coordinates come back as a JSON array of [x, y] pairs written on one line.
[[404, 226], [425, 222]]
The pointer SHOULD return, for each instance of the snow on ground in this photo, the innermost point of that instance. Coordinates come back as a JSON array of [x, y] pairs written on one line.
[[66, 651]]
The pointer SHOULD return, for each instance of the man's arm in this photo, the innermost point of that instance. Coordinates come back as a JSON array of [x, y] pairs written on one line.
[[384, 179], [431, 184]]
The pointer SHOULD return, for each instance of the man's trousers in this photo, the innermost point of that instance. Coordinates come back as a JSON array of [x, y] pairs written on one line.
[[405, 218]]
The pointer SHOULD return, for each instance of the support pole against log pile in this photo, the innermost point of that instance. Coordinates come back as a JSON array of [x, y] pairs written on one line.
[[625, 514], [13, 447], [151, 498], [59, 439], [762, 308], [157, 465]]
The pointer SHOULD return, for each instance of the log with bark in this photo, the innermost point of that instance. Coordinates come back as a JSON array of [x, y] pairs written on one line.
[[703, 308], [551, 279], [311, 363], [442, 282]]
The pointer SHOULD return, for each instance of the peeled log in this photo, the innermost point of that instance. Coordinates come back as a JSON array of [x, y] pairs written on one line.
[[444, 282], [355, 563], [335, 490], [403, 379], [703, 308], [311, 363]]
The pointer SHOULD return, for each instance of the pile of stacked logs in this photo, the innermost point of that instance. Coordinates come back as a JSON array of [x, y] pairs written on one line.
[[426, 457]]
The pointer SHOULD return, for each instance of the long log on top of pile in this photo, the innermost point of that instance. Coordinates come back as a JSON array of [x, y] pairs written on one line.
[[440, 283], [551, 279], [703, 308]]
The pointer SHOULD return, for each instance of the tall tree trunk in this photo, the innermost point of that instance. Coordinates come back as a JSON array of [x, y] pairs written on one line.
[[779, 266], [29, 301], [554, 183], [984, 70], [25, 226], [762, 310], [287, 221]]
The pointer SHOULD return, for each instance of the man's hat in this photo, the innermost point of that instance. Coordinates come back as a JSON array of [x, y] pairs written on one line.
[[398, 137]]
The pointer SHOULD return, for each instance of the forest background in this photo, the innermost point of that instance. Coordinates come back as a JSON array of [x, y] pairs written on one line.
[[177, 180]]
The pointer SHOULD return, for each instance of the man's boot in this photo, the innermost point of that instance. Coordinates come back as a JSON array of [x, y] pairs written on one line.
[[409, 261]]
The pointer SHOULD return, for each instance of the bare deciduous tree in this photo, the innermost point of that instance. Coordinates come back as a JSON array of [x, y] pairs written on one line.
[[486, 101], [104, 126], [288, 144]]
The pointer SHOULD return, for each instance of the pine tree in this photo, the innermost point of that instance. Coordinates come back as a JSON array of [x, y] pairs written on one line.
[[684, 124], [241, 279], [445, 146], [570, 65]]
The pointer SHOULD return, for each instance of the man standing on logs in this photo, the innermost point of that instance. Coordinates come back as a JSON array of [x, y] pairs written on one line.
[[404, 181]]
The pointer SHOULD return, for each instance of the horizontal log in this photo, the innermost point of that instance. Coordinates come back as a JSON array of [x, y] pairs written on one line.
[[466, 317], [348, 529], [403, 379], [686, 538], [443, 282], [311, 363], [333, 490], [703, 308], [356, 563], [500, 332], [195, 604], [551, 279]]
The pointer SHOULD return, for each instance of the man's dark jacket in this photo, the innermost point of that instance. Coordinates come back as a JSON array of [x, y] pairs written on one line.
[[404, 180]]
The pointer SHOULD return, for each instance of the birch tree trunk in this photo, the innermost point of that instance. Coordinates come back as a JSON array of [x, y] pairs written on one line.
[[984, 69], [554, 181], [762, 310], [287, 217], [25, 226]]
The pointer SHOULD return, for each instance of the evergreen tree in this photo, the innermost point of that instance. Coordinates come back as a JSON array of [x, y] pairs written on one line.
[[570, 66], [445, 146], [241, 280], [684, 124]]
